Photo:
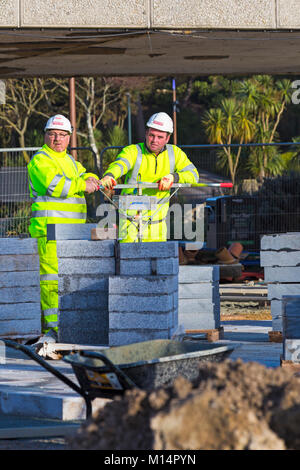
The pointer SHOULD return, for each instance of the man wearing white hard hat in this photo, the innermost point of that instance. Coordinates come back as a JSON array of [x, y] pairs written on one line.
[[57, 185], [154, 160]]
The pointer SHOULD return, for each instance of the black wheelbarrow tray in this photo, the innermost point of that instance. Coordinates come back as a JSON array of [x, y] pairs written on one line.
[[146, 365]]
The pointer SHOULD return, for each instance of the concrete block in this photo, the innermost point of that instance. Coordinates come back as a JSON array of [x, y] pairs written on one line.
[[19, 294], [190, 274], [277, 323], [198, 306], [18, 246], [67, 266], [143, 303], [193, 321], [139, 267], [9, 14], [279, 258], [282, 241], [85, 249], [276, 313], [83, 301], [19, 263], [282, 274], [20, 311], [85, 14], [288, 15], [142, 284], [277, 290], [291, 317], [88, 283], [86, 327], [20, 328], [291, 350], [41, 405], [147, 267], [137, 321], [69, 231], [148, 250], [167, 266], [119, 338], [14, 279], [255, 14], [201, 290]]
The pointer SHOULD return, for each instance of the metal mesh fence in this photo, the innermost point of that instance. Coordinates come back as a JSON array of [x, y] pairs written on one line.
[[257, 205], [271, 205], [15, 204]]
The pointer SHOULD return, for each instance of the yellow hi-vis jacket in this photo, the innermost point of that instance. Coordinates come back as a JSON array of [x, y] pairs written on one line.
[[56, 184], [139, 164]]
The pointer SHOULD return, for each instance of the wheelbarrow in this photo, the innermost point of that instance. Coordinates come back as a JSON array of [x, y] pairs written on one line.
[[146, 365]]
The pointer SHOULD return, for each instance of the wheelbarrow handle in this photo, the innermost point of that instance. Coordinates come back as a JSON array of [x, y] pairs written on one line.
[[25, 349], [120, 374]]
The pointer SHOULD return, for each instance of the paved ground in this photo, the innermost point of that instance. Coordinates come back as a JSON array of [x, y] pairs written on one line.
[[249, 338]]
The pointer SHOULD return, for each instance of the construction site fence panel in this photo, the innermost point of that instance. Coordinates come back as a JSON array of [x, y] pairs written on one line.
[[264, 199], [15, 204]]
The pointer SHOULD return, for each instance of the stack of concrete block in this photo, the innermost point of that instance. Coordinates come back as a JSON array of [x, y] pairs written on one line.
[[291, 328], [20, 311], [143, 297], [84, 267], [280, 257], [198, 297]]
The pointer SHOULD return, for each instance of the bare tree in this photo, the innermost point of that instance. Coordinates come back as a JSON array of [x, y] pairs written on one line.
[[23, 100]]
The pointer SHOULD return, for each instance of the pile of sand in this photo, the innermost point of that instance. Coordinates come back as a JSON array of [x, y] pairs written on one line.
[[232, 405]]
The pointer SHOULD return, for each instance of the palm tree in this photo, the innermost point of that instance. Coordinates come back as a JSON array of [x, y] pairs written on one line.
[[228, 124], [267, 100]]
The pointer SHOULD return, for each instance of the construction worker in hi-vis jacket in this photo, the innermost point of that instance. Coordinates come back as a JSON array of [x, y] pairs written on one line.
[[57, 184], [152, 161]]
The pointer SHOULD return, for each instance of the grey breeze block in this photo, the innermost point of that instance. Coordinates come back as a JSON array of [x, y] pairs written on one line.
[[20, 311], [291, 328], [280, 257], [199, 297], [142, 308], [84, 267]]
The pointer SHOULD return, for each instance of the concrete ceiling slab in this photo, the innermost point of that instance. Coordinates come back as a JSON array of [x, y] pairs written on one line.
[[91, 52]]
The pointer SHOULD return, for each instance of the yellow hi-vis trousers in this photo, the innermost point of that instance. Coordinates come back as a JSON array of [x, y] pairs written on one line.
[[151, 232], [48, 283]]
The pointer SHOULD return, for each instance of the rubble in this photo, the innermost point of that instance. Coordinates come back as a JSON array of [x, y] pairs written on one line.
[[232, 406]]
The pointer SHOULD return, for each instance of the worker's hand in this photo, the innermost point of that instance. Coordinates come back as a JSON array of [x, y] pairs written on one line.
[[92, 185], [108, 182], [166, 182]]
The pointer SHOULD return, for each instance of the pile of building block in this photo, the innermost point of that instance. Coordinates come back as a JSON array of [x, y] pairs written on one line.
[[20, 311], [84, 268], [198, 297], [114, 293], [143, 296], [280, 257], [110, 293]]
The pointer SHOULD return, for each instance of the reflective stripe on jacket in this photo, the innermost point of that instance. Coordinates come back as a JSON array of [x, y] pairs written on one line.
[[137, 163], [56, 184]]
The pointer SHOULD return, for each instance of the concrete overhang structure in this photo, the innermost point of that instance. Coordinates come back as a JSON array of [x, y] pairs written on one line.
[[148, 37]]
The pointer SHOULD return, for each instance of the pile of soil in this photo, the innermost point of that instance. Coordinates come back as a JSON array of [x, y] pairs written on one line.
[[232, 406]]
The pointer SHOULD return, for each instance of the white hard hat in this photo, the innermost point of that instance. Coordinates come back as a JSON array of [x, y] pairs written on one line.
[[59, 122], [162, 122]]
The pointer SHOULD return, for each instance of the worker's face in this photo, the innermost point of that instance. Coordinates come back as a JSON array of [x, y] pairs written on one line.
[[57, 140], [156, 140]]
